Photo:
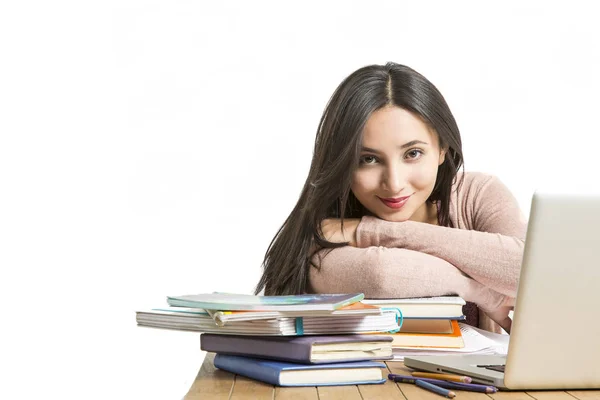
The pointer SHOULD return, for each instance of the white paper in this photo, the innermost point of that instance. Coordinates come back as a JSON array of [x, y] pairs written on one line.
[[477, 341]]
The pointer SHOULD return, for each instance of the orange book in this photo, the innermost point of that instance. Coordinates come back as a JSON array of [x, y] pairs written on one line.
[[426, 325], [421, 340]]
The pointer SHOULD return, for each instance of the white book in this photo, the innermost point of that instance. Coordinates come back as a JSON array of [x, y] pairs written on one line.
[[354, 309], [443, 307]]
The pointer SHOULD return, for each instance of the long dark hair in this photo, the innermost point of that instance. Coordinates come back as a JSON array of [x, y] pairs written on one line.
[[327, 194]]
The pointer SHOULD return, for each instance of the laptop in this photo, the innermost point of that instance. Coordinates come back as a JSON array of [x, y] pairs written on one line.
[[555, 333]]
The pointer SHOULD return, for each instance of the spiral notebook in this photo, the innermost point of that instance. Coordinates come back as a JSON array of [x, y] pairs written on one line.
[[198, 320]]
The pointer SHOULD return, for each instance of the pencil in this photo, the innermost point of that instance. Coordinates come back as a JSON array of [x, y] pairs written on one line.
[[435, 389], [444, 377], [470, 387]]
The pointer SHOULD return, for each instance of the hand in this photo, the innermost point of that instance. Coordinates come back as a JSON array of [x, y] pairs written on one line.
[[494, 304], [332, 230], [500, 314]]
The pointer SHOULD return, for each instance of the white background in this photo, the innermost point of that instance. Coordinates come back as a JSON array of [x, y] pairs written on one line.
[[154, 148]]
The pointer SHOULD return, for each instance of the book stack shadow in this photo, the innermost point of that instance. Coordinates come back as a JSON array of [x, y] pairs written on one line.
[[303, 340]]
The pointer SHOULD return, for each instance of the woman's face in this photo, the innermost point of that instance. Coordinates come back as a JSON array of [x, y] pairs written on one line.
[[398, 166]]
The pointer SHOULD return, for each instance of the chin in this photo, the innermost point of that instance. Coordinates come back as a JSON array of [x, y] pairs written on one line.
[[400, 217]]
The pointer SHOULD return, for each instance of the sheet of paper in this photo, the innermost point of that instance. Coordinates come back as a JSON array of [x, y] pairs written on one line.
[[477, 341]]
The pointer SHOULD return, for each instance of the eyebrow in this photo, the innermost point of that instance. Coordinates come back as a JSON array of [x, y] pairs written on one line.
[[405, 145]]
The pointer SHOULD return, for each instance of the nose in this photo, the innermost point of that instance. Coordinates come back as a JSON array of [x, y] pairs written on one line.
[[394, 179]]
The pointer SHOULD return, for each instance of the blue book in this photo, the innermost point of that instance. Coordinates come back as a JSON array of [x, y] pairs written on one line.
[[280, 373]]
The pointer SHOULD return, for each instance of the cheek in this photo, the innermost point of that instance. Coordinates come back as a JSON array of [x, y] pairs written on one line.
[[364, 182], [424, 176]]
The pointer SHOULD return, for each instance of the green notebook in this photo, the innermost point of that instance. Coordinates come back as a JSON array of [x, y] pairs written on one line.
[[241, 302]]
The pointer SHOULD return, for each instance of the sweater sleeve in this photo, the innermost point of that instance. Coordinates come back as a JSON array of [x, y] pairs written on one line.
[[490, 253], [381, 272]]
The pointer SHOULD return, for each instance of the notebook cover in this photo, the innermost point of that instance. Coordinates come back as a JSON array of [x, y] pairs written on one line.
[[457, 318], [456, 334], [287, 348], [268, 371], [444, 300], [232, 302], [418, 307], [427, 326]]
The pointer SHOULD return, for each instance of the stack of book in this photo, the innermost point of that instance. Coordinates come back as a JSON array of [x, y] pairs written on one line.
[[430, 324], [240, 314], [303, 340]]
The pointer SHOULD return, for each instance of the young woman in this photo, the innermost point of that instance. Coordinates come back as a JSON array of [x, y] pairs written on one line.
[[386, 212]]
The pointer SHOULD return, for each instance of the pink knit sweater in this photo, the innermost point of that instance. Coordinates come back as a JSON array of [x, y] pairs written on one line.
[[479, 259]]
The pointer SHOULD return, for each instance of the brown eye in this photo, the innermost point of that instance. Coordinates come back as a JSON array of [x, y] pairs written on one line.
[[368, 160], [414, 154]]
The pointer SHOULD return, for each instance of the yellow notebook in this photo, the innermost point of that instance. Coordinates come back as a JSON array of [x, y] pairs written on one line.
[[419, 325], [420, 340]]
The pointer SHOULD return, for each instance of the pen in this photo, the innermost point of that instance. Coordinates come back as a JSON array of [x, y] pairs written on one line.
[[444, 377], [435, 389], [470, 387]]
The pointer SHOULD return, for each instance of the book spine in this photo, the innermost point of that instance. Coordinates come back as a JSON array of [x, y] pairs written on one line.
[[255, 347], [247, 367], [353, 300]]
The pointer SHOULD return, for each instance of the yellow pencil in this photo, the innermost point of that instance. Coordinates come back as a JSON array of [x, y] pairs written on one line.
[[445, 377]]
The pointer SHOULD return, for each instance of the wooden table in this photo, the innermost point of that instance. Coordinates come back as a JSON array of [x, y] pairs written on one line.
[[212, 383]]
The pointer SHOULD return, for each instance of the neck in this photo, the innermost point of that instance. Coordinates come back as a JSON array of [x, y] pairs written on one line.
[[427, 213]]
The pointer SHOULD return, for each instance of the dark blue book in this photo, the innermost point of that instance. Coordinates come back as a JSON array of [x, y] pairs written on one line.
[[280, 373]]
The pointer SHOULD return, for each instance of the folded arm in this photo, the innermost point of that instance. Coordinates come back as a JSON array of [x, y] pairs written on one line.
[[381, 272], [490, 250]]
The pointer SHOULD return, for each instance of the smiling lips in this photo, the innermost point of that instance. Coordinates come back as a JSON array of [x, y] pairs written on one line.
[[395, 203]]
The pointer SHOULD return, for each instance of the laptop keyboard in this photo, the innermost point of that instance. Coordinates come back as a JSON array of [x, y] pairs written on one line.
[[499, 368]]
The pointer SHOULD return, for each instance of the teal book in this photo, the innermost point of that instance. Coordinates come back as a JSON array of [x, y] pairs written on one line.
[[246, 302], [280, 373]]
